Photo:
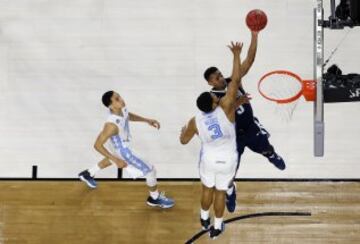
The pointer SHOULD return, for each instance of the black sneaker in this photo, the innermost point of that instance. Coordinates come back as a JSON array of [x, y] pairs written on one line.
[[230, 200], [277, 161], [88, 179], [214, 233], [205, 223]]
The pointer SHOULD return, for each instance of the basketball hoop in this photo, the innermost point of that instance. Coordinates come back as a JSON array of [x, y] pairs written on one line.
[[284, 88]]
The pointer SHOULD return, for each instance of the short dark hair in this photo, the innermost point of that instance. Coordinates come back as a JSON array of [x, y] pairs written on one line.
[[209, 71], [204, 102], [106, 98]]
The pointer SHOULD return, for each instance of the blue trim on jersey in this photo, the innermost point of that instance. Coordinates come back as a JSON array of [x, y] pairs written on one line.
[[128, 156]]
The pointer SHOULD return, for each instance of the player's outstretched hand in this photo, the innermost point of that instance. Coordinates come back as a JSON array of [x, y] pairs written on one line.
[[235, 47], [242, 100], [245, 98], [154, 123]]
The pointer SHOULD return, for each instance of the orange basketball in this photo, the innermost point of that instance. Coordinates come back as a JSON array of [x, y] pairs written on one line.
[[256, 20]]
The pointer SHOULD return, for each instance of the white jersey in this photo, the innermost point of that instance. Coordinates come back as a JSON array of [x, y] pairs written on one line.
[[121, 142], [216, 132], [122, 122]]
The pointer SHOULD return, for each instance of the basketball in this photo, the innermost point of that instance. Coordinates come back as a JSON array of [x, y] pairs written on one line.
[[256, 20]]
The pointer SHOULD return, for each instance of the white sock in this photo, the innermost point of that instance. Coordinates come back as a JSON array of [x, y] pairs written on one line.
[[204, 214], [230, 190], [218, 223], [94, 170], [154, 194]]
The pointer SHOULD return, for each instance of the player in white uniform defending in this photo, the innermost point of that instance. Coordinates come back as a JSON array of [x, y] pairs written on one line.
[[215, 126], [116, 129]]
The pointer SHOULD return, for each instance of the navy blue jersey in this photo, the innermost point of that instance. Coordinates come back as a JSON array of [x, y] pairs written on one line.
[[244, 116]]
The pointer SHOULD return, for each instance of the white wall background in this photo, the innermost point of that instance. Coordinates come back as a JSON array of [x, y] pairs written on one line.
[[58, 57]]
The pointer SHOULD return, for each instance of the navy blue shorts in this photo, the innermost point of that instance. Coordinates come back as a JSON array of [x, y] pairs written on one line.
[[256, 138]]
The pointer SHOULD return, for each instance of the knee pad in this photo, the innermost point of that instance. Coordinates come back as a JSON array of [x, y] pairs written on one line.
[[151, 178]]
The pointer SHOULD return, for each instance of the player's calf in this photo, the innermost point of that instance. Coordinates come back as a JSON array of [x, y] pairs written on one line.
[[156, 199]]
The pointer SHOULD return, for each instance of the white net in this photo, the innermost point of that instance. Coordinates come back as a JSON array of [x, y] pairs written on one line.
[[285, 111], [278, 88]]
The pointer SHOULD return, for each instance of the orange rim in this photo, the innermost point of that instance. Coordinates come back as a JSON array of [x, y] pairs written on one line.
[[309, 90], [285, 100]]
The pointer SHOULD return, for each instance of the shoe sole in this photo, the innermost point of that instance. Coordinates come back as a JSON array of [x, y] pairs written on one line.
[[215, 237], [160, 206], [282, 167], [229, 210], [87, 182]]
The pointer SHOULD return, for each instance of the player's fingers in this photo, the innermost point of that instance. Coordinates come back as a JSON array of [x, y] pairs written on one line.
[[155, 124]]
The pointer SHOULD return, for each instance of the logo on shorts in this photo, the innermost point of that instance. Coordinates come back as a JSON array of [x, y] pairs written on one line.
[[220, 162]]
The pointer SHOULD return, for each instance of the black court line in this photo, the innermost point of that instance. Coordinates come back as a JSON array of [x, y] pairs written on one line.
[[248, 216], [188, 179], [261, 179], [120, 178]]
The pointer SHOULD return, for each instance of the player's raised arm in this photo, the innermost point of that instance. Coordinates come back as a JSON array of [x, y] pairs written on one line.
[[152, 122], [230, 96], [108, 131], [188, 131], [249, 60]]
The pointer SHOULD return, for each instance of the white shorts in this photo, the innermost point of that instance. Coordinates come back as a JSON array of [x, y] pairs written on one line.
[[218, 171], [136, 167]]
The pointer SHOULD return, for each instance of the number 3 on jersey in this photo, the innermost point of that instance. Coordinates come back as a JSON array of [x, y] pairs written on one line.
[[215, 129]]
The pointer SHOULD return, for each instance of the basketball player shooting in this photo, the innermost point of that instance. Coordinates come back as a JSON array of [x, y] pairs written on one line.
[[117, 129], [215, 126], [249, 132]]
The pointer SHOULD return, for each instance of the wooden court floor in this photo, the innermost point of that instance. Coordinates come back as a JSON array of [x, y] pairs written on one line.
[[68, 212]]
